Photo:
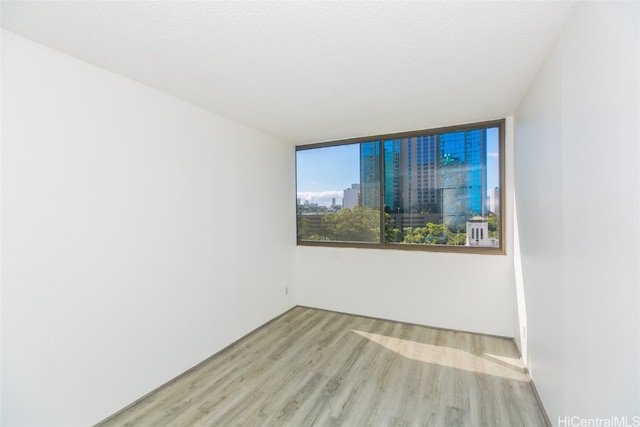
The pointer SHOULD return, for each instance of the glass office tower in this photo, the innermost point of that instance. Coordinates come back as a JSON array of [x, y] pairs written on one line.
[[392, 201], [411, 174], [370, 174], [462, 175], [441, 175]]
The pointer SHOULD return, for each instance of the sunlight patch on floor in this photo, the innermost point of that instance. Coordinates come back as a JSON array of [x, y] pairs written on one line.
[[485, 363]]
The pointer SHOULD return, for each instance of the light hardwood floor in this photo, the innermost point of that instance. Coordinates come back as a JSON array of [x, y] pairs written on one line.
[[318, 368]]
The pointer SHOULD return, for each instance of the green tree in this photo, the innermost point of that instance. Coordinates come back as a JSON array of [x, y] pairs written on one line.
[[492, 222], [360, 224], [494, 225], [433, 234], [414, 235], [303, 228], [391, 233], [436, 234], [457, 239]]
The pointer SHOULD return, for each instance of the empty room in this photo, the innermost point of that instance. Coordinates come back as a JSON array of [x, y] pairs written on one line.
[[291, 213]]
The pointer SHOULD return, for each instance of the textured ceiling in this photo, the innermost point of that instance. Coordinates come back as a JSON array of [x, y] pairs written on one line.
[[312, 71]]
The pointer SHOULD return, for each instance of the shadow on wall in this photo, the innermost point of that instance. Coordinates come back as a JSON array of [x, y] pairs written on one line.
[[519, 287]]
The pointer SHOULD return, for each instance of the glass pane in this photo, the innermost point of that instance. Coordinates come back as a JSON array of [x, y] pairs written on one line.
[[443, 189], [338, 192]]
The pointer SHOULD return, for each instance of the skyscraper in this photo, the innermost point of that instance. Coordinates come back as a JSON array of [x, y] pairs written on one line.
[[494, 200], [419, 176], [411, 174], [370, 174], [445, 174], [392, 175], [351, 196], [462, 175]]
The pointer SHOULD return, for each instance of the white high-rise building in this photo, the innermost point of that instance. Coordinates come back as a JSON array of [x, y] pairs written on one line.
[[494, 200], [351, 196]]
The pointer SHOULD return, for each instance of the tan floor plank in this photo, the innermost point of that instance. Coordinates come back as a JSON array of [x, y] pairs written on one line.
[[319, 368]]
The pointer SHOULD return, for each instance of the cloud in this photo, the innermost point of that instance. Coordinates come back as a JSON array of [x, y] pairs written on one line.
[[323, 198]]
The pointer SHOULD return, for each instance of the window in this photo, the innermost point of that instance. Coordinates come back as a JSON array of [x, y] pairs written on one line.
[[438, 189]]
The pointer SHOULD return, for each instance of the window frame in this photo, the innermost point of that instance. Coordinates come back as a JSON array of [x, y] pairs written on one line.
[[381, 244]]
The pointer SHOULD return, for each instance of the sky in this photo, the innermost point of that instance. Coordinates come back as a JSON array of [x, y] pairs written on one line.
[[323, 174]]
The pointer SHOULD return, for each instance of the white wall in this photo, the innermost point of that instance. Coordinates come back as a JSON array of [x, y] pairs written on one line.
[[140, 235], [539, 225], [463, 292], [449, 290], [578, 202]]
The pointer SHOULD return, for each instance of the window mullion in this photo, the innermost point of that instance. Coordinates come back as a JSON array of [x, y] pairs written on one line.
[[382, 216]]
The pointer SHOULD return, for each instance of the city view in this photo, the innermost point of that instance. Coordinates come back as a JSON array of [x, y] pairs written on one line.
[[434, 189]]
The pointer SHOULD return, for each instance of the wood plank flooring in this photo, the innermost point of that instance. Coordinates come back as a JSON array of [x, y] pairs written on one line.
[[318, 368]]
